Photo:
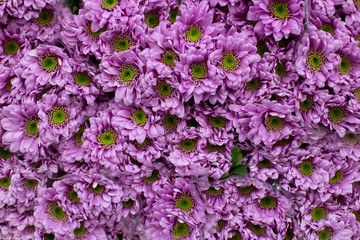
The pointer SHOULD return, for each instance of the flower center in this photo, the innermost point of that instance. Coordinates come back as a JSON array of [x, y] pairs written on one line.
[[229, 62], [318, 213], [5, 183], [94, 35], [128, 74], [215, 148], [122, 43], [307, 104], [218, 122], [306, 168], [246, 190], [289, 235], [327, 28], [30, 229], [214, 192], [184, 202], [345, 65], [257, 229], [128, 203], [169, 58], [73, 196], [98, 189], [194, 34], [357, 94], [337, 178], [170, 122], [220, 225], [78, 136], [198, 70], [265, 163], [107, 138], [173, 14], [164, 89], [82, 79], [154, 177], [188, 145], [139, 117], [31, 128], [280, 70], [56, 212], [268, 202], [351, 138], [315, 61], [49, 63], [46, 17], [280, 10], [237, 236], [49, 236], [253, 84], [4, 154], [109, 4], [180, 230], [152, 19], [143, 146], [357, 215], [336, 114], [11, 47], [274, 123], [80, 232], [58, 117], [31, 183], [325, 234]]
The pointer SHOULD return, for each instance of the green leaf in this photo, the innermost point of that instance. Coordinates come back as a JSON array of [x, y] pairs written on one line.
[[236, 156], [240, 169], [225, 175]]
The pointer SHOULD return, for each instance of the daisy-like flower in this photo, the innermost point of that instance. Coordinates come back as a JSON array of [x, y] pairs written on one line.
[[25, 9], [88, 230], [22, 134], [265, 123], [277, 17], [8, 177], [123, 72], [315, 58], [198, 77], [59, 116], [46, 65], [234, 58], [195, 26], [263, 166], [137, 123], [6, 89]]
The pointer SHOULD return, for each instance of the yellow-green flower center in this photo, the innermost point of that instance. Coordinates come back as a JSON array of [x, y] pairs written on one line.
[[194, 34], [257, 229], [56, 212], [180, 230], [139, 117], [315, 61], [152, 19], [5, 183], [218, 122], [252, 85], [327, 28], [122, 43], [318, 213], [214, 192], [80, 232], [169, 57], [351, 138], [58, 116], [246, 190], [306, 168], [82, 78], [325, 234], [143, 145], [184, 202], [31, 183], [345, 66], [46, 17], [229, 62], [73, 196], [337, 178], [164, 89], [173, 14], [336, 114], [154, 177], [280, 70], [220, 225], [94, 35], [274, 123], [265, 163], [170, 122], [188, 145], [198, 70], [357, 215], [128, 203], [307, 104], [215, 148], [268, 202], [357, 94], [31, 128], [49, 63], [98, 189], [78, 136], [107, 138], [236, 236], [5, 154], [109, 4], [128, 74], [279, 10], [11, 47]]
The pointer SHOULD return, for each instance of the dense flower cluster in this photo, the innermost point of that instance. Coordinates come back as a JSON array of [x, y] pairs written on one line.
[[180, 120]]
